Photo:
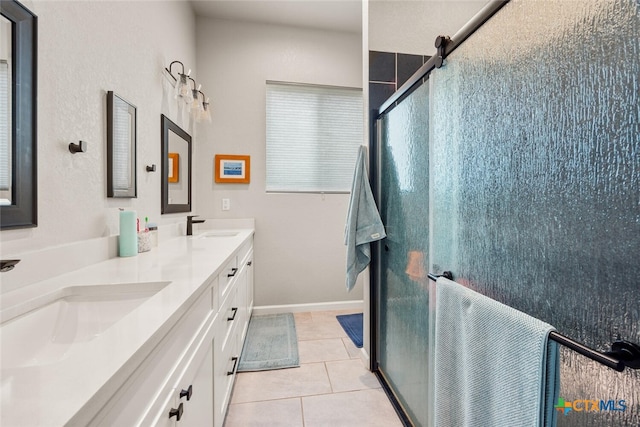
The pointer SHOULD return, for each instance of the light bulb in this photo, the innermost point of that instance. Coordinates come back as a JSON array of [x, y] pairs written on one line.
[[183, 90], [205, 114]]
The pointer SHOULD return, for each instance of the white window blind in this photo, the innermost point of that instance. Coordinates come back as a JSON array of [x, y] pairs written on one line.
[[5, 126], [313, 134]]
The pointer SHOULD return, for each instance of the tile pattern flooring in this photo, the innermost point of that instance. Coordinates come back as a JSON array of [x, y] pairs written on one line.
[[330, 388]]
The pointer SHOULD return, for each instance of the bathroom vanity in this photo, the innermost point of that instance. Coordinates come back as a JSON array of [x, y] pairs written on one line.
[[147, 340]]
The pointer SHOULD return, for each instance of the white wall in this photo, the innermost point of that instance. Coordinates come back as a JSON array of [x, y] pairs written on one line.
[[299, 243], [84, 50], [411, 26]]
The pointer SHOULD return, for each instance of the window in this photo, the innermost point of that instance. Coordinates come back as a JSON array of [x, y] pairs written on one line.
[[5, 125], [313, 134]]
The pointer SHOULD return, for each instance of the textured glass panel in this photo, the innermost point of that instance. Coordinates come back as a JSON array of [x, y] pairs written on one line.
[[535, 179], [404, 207]]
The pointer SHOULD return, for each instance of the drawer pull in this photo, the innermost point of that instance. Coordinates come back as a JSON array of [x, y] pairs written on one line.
[[235, 311], [249, 263], [176, 412], [188, 392], [233, 272], [235, 365]]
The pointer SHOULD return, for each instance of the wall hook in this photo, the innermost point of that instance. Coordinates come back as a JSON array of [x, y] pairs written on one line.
[[151, 168], [80, 147], [8, 264]]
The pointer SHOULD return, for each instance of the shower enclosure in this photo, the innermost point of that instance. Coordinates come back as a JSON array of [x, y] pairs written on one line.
[[516, 166]]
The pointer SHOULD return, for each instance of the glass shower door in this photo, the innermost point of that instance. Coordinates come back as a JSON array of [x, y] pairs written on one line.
[[403, 286]]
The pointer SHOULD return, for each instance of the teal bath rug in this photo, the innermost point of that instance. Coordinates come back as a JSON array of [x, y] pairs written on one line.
[[271, 343]]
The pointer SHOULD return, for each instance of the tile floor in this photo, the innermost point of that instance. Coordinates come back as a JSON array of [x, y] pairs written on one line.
[[330, 388]]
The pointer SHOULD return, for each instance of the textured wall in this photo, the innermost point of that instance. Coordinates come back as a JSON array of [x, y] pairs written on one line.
[[299, 245], [84, 50]]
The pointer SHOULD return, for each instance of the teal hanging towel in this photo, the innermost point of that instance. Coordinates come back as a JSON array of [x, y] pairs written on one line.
[[363, 222], [494, 365]]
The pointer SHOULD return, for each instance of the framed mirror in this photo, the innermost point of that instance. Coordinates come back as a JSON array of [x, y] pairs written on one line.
[[18, 78], [121, 147], [176, 168]]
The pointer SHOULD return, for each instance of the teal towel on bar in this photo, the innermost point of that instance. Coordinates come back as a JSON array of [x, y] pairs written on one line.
[[494, 365], [363, 222]]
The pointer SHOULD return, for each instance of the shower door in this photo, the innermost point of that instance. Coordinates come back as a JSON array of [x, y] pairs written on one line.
[[403, 283]]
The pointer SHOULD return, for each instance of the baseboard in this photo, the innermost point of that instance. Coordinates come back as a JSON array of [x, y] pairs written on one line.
[[300, 308], [364, 356]]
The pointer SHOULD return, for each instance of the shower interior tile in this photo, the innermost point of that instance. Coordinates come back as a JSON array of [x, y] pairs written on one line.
[[382, 66], [378, 93], [407, 65]]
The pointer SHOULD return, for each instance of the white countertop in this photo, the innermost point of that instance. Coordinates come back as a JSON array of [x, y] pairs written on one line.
[[52, 395]]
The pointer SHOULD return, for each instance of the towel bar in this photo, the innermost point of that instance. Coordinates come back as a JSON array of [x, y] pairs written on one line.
[[623, 354]]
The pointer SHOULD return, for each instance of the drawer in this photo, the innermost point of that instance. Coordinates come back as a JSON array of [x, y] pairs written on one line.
[[228, 317], [225, 373], [244, 250], [227, 277]]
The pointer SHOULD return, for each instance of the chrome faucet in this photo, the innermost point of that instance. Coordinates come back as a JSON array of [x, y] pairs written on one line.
[[190, 222]]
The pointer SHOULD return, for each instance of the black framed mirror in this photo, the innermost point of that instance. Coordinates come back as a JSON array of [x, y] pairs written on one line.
[[18, 148], [176, 168], [121, 147]]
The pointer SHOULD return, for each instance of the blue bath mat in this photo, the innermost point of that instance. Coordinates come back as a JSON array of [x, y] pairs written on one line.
[[271, 343], [352, 325]]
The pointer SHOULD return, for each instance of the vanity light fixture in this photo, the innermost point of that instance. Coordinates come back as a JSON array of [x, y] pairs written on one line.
[[205, 114], [182, 86], [196, 101], [196, 104]]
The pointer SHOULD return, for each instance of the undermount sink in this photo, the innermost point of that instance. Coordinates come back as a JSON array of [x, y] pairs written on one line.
[[220, 233], [49, 328]]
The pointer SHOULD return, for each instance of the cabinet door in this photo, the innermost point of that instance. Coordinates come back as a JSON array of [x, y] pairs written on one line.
[[198, 409], [226, 365], [166, 417], [250, 284]]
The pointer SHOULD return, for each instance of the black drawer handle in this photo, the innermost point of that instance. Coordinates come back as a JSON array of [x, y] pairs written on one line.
[[176, 412], [233, 272], [188, 392], [235, 365], [249, 263], [235, 311]]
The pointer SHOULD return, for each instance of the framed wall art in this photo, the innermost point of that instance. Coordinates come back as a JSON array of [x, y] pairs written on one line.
[[232, 169]]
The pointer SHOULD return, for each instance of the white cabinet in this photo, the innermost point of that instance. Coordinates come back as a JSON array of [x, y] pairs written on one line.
[[196, 394], [188, 377], [235, 314]]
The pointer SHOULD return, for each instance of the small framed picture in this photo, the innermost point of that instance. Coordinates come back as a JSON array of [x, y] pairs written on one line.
[[232, 169], [174, 168]]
